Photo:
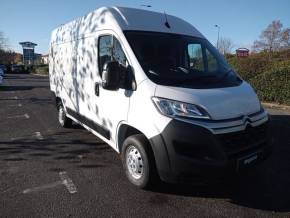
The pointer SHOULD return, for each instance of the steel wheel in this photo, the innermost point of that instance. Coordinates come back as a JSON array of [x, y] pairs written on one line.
[[134, 162], [62, 118], [61, 115]]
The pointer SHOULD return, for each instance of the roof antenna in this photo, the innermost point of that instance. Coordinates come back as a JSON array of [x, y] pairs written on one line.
[[166, 21]]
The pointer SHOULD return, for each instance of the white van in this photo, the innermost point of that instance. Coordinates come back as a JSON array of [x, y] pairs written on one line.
[[152, 87]]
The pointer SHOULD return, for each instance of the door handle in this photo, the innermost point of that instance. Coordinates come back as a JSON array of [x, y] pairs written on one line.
[[97, 89]]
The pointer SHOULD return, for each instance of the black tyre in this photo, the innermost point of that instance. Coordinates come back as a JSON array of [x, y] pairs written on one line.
[[63, 120], [138, 161]]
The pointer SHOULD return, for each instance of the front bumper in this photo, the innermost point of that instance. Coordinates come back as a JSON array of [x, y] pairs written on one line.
[[185, 151]]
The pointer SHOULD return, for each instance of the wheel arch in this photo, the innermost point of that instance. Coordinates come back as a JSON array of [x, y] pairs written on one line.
[[124, 131]]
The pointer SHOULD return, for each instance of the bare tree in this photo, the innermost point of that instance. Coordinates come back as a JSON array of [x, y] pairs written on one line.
[[270, 38], [225, 45], [3, 41], [285, 38], [6, 56]]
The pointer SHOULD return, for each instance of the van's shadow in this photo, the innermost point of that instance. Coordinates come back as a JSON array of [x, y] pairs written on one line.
[[265, 187]]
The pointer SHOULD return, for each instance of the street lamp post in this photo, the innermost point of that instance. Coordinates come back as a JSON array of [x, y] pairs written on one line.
[[218, 38], [146, 6]]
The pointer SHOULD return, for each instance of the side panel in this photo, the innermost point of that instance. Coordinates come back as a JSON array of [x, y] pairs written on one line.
[[62, 70], [51, 68], [86, 49]]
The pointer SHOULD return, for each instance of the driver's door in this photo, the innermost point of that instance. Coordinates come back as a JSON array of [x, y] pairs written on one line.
[[111, 107]]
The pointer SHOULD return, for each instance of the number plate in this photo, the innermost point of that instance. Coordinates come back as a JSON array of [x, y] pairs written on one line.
[[248, 160]]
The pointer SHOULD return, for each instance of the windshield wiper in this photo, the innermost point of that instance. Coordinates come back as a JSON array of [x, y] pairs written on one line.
[[193, 78], [175, 70], [225, 74], [153, 72]]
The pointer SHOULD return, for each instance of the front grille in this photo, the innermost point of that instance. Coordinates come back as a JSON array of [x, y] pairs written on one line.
[[242, 140], [190, 149]]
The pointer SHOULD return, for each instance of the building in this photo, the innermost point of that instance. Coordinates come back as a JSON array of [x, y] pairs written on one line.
[[28, 52], [44, 59], [242, 52], [37, 59]]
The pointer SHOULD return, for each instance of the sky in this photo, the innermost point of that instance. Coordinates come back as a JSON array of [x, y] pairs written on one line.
[[240, 20]]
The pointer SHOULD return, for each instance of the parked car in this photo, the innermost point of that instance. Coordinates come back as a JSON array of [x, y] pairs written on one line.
[[1, 76], [1, 72], [154, 88], [4, 68], [17, 68]]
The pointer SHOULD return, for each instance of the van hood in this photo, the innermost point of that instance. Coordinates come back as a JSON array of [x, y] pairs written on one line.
[[220, 103]]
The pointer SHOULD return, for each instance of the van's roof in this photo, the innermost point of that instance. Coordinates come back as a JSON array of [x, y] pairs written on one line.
[[122, 18]]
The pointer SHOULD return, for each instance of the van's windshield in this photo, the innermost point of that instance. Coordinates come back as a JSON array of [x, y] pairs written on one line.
[[178, 60]]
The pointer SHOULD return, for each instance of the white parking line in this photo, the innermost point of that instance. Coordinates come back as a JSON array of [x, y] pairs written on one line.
[[19, 116], [43, 187], [38, 136], [10, 92], [67, 182], [12, 98], [15, 105]]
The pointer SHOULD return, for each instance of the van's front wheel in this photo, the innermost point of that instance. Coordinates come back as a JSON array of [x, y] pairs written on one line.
[[138, 161], [63, 120]]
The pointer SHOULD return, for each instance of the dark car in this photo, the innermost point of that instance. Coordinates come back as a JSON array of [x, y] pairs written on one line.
[[17, 68], [1, 76], [3, 68]]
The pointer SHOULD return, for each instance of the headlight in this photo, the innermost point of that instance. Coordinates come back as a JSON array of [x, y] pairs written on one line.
[[173, 108]]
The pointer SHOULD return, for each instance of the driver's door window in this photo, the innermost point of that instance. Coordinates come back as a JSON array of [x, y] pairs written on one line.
[[110, 49], [105, 50]]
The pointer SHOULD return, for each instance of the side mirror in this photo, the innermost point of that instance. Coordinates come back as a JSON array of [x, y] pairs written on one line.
[[111, 76], [129, 81]]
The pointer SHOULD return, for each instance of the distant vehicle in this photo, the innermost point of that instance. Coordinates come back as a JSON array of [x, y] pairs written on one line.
[[1, 76], [1, 72], [4, 68], [154, 88], [17, 68]]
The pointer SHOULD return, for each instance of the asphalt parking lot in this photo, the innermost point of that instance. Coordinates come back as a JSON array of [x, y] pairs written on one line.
[[48, 171]]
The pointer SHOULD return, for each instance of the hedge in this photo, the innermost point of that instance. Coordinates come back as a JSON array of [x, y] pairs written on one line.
[[40, 69], [269, 75], [250, 67], [274, 85]]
